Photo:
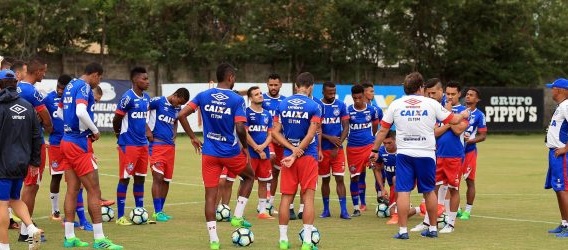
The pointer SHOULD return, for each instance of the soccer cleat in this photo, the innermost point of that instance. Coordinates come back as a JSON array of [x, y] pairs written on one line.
[[35, 239], [429, 234], [293, 215], [345, 215], [558, 229], [160, 216], [465, 215], [56, 216], [300, 215], [167, 215], [23, 238], [105, 202], [74, 242], [400, 236], [105, 243], [87, 226], [284, 244], [325, 214], [123, 221], [563, 234], [393, 220], [265, 216], [309, 246], [460, 212], [214, 245], [422, 209], [447, 229], [356, 213], [240, 222], [383, 200], [420, 227], [363, 208]]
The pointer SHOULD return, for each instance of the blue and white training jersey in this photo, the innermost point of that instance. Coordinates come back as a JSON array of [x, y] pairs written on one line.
[[557, 134], [135, 111], [361, 125], [161, 119], [332, 115], [77, 92], [258, 125], [51, 102], [271, 104], [476, 123], [29, 93], [389, 164], [449, 144]]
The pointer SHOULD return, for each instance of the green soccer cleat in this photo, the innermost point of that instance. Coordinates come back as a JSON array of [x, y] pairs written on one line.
[[160, 216], [74, 242], [214, 245], [167, 215], [123, 221], [465, 215], [105, 243], [284, 244], [460, 212], [309, 246], [240, 222]]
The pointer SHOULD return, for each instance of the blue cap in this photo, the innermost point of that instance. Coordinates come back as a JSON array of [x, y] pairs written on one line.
[[7, 74], [559, 83]]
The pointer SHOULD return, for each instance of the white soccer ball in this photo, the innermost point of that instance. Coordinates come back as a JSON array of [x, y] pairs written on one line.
[[315, 235], [242, 237], [138, 215], [269, 209], [442, 220], [107, 213], [382, 210], [223, 213]]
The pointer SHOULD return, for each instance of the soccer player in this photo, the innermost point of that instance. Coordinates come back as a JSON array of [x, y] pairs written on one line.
[[163, 123], [259, 136], [129, 124], [297, 120], [475, 133], [20, 68], [415, 118], [223, 115], [20, 153], [6, 62], [363, 122], [335, 128], [76, 145], [36, 71], [557, 143], [98, 93]]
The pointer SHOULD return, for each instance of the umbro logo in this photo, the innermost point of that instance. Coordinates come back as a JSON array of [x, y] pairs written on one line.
[[18, 109], [412, 101], [296, 102], [219, 96]]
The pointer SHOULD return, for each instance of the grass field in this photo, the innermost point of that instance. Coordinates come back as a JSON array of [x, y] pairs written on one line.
[[512, 210]]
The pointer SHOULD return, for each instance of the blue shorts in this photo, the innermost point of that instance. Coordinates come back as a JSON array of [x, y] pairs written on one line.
[[388, 177], [10, 189], [415, 170], [557, 175]]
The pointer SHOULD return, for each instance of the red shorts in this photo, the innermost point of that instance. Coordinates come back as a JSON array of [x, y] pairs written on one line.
[[469, 166], [358, 158], [132, 160], [56, 163], [228, 175], [211, 168], [278, 152], [448, 171], [304, 172], [335, 166], [162, 159], [32, 179], [392, 195], [76, 159], [262, 169]]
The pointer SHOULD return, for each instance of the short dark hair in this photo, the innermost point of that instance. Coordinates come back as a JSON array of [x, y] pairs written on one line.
[[35, 64], [64, 79], [250, 90], [94, 67], [8, 83], [305, 79], [476, 90], [454, 84], [367, 84], [328, 84], [98, 90], [413, 82], [432, 82], [182, 93], [224, 70], [17, 65], [7, 62], [137, 71], [391, 134], [274, 76], [357, 89]]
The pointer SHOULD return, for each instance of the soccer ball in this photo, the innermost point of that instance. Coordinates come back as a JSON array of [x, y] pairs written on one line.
[[382, 210], [269, 209], [139, 215], [107, 213], [223, 213], [442, 220], [242, 237], [315, 235]]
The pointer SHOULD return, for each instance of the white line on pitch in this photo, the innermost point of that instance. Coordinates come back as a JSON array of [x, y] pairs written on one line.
[[512, 219]]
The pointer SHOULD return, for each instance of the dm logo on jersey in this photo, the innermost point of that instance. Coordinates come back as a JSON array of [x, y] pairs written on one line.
[[130, 167], [38, 96], [368, 117], [266, 120], [54, 164], [296, 102], [124, 102], [336, 112], [412, 101], [219, 96], [85, 90], [18, 109]]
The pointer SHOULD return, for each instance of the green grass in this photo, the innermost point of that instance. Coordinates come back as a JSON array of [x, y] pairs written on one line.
[[512, 210]]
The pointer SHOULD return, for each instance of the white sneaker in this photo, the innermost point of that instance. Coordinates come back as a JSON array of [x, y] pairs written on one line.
[[447, 229], [420, 227], [34, 240]]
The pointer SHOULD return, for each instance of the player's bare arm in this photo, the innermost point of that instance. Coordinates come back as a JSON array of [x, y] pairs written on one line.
[[46, 121], [378, 171], [149, 133], [278, 137], [441, 129], [344, 132], [379, 138], [242, 134], [460, 128], [197, 144], [117, 123], [479, 137], [314, 126]]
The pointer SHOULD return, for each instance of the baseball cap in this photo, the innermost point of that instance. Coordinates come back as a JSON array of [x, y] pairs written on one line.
[[558, 83], [7, 74]]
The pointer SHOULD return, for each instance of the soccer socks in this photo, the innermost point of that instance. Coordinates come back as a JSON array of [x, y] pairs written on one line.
[[69, 230], [433, 228], [157, 205], [283, 232], [54, 202], [308, 233], [212, 229], [261, 205], [452, 218], [354, 188], [4, 246], [80, 209], [241, 203], [564, 223], [442, 194], [325, 203], [402, 230], [271, 200], [163, 202], [342, 204], [138, 190], [120, 198], [362, 187], [468, 208], [301, 209], [98, 231]]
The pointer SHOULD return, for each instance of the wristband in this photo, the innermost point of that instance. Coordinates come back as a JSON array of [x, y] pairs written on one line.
[[374, 151]]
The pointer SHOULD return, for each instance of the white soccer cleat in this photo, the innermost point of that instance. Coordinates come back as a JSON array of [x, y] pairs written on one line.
[[420, 227], [447, 229]]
